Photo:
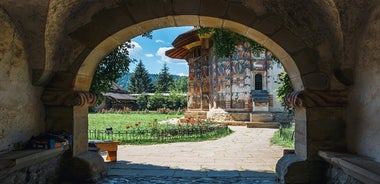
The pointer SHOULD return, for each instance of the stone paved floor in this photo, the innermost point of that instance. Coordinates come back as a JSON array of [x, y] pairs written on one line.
[[245, 156]]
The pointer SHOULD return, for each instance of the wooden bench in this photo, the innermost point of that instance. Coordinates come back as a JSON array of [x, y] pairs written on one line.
[[109, 146]]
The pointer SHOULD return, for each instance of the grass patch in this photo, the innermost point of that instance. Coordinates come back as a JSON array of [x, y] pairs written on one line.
[[284, 137], [143, 129]]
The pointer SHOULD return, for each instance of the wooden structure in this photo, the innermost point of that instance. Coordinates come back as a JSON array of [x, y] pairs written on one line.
[[109, 146]]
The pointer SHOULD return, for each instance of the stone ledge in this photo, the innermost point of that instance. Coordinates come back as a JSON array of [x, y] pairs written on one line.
[[361, 168], [16, 160]]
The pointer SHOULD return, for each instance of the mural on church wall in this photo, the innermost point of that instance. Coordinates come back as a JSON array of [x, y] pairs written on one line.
[[226, 82], [233, 79], [199, 84]]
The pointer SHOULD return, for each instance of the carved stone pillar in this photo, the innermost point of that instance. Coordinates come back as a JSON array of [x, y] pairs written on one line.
[[320, 125], [66, 110]]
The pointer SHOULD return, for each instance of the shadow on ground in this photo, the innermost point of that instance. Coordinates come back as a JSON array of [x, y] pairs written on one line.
[[126, 172]]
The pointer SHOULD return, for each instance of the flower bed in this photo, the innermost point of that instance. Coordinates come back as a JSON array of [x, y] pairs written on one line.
[[151, 133]]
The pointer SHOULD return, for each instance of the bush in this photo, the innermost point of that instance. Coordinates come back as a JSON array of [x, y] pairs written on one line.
[[177, 101], [142, 102], [157, 101], [174, 101]]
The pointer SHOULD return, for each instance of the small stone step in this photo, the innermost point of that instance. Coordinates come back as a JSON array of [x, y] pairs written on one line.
[[263, 125]]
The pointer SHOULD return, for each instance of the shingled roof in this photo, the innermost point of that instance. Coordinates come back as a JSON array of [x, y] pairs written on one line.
[[180, 50]]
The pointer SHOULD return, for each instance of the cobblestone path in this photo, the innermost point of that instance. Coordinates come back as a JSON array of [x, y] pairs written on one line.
[[245, 156]]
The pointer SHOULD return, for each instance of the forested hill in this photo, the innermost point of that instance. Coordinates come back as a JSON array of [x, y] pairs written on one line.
[[124, 81]]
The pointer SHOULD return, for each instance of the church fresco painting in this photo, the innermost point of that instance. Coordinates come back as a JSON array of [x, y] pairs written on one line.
[[229, 83]]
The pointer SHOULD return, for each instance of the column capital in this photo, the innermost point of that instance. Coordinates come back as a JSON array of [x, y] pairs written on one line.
[[317, 98], [59, 97]]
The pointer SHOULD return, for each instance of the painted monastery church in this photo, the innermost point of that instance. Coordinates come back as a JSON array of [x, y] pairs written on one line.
[[228, 89]]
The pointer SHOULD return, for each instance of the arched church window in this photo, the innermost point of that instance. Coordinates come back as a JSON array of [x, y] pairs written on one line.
[[258, 82]]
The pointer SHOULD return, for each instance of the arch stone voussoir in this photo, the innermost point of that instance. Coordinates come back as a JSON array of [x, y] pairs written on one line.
[[210, 21], [235, 27], [186, 20]]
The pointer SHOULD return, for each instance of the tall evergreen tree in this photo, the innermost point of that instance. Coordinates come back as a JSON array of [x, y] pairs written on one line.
[[164, 80], [140, 82]]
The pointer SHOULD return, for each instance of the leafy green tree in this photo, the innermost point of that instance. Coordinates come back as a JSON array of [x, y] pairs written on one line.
[[140, 82], [284, 88], [164, 80], [180, 85], [111, 68]]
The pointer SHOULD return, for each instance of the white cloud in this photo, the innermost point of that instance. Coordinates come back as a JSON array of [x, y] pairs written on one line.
[[161, 53], [160, 41], [149, 55], [136, 50], [182, 74], [181, 62]]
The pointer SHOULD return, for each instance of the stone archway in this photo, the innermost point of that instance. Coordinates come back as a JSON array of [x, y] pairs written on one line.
[[99, 33], [85, 72]]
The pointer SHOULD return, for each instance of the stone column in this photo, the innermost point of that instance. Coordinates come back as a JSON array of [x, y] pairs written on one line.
[[320, 125], [68, 111]]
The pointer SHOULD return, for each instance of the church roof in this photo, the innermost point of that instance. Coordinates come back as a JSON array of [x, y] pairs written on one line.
[[183, 43]]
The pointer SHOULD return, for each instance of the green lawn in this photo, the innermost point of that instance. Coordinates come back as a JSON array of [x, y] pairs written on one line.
[[120, 121], [142, 128]]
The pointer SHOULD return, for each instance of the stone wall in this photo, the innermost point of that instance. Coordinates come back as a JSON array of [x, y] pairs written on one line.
[[21, 111], [364, 112], [46, 171]]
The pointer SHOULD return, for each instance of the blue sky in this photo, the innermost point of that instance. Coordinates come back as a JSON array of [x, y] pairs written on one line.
[[152, 51]]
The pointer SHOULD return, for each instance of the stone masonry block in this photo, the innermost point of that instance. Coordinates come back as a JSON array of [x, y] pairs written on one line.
[[113, 20], [90, 34], [239, 13], [269, 25], [142, 10], [306, 60], [287, 40], [186, 7], [213, 8], [316, 81], [326, 130], [325, 113]]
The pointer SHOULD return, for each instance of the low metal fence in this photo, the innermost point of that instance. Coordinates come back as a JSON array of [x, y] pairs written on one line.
[[134, 136]]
